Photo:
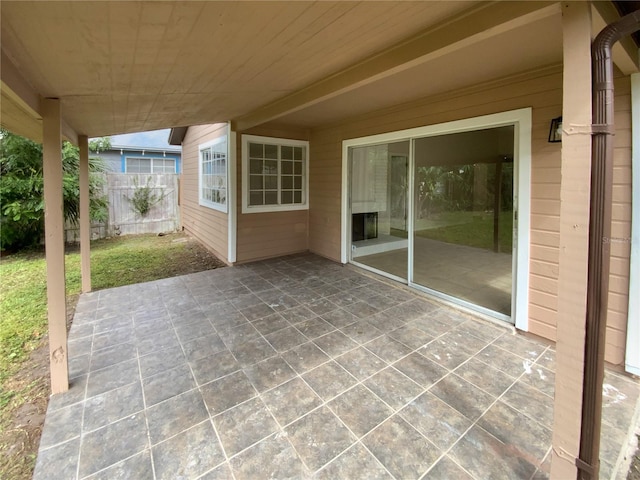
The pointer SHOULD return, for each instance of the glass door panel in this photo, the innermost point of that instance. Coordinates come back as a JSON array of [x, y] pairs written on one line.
[[463, 216], [378, 203]]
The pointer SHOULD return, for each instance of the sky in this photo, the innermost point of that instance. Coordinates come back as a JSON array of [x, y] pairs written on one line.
[[154, 138]]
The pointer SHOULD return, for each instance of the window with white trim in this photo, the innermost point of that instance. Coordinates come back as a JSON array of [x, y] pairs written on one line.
[[213, 173], [150, 165], [274, 174]]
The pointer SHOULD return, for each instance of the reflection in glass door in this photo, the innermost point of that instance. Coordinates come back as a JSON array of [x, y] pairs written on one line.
[[378, 207], [463, 216]]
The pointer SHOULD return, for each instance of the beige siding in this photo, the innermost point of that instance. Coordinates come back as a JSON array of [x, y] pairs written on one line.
[[209, 226], [273, 234], [543, 92]]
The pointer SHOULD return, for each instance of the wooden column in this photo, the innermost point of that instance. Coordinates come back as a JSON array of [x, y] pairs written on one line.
[[85, 220], [54, 244], [574, 238]]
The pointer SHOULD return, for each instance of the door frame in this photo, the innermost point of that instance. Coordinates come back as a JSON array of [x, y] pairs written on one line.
[[521, 120]]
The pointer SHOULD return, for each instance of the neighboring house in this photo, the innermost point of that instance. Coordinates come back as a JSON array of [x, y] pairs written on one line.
[[130, 159]]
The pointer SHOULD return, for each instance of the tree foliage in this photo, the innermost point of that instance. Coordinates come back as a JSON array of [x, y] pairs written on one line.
[[22, 188]]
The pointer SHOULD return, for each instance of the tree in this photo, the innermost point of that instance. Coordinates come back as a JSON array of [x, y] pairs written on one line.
[[22, 188]]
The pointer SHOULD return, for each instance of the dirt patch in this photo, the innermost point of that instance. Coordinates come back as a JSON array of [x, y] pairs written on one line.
[[23, 416]]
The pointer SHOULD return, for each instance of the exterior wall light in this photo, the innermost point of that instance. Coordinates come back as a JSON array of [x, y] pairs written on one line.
[[555, 131]]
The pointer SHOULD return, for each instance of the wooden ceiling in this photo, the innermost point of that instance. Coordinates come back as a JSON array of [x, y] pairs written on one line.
[[121, 67]]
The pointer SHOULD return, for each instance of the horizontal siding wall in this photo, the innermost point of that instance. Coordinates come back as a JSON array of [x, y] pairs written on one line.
[[273, 234], [209, 226], [542, 91]]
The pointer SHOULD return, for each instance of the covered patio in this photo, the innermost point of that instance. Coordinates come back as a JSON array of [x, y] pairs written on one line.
[[299, 367]]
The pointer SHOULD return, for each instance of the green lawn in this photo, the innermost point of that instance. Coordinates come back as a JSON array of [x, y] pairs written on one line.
[[466, 228], [115, 262]]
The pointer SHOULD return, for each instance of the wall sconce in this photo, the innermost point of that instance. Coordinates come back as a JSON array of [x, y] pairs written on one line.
[[555, 131]]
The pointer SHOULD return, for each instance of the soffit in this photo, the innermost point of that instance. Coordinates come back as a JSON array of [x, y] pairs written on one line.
[[529, 47], [122, 67]]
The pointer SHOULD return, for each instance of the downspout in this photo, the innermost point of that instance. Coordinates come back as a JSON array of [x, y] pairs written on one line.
[[599, 241]]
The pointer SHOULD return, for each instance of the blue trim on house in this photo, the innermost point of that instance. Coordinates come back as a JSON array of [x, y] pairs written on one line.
[[137, 153]]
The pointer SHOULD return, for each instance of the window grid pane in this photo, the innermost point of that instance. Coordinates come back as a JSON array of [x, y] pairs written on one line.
[[213, 173], [276, 174]]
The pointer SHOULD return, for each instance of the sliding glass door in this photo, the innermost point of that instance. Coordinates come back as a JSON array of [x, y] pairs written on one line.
[[463, 222], [378, 190]]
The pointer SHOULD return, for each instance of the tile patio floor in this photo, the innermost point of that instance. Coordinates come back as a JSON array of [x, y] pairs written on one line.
[[297, 368]]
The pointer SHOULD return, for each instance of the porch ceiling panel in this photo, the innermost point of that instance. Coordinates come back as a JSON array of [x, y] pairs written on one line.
[[529, 47], [127, 66]]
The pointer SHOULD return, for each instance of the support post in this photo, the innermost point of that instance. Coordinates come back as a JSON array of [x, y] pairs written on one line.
[[54, 244], [85, 219], [574, 239]]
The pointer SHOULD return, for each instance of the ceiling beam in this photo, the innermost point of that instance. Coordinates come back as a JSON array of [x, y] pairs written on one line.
[[485, 21], [625, 51]]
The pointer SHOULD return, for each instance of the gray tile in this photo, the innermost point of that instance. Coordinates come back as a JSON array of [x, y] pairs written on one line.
[[113, 377], [269, 373], [388, 349], [273, 457], [175, 415], [319, 437], [290, 401], [124, 438], [112, 355], [447, 468], [436, 420], [285, 339], [61, 425], [484, 456], [547, 359], [214, 366], [277, 299], [541, 379], [482, 330], [305, 357], [361, 309], [58, 462], [75, 394], [335, 343], [138, 467], [452, 349], [321, 306], [227, 392], [520, 346], [485, 377], [461, 395], [531, 402], [270, 324], [357, 463], [232, 337], [111, 406], [188, 454], [253, 351], [329, 380], [339, 318], [420, 369], [314, 327], [411, 336], [203, 347], [244, 425], [227, 319], [222, 472], [401, 449], [161, 360], [528, 439], [298, 314], [361, 363], [157, 341], [361, 331], [256, 312], [499, 358], [360, 410], [393, 387], [194, 330]]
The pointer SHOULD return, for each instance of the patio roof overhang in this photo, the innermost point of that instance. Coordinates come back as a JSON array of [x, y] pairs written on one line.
[[120, 67]]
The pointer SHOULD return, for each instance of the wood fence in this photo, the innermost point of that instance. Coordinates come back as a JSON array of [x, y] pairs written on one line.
[[124, 218]]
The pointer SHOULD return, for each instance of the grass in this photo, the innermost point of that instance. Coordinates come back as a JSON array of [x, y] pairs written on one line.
[[23, 322], [473, 229]]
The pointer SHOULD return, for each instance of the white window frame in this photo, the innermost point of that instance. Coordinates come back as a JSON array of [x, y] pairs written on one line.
[[151, 161], [221, 207], [246, 208]]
